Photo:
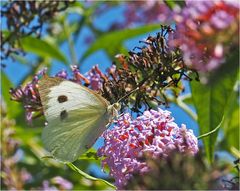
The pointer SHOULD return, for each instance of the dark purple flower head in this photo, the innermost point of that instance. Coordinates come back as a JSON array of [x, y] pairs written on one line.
[[29, 95], [154, 133], [205, 31]]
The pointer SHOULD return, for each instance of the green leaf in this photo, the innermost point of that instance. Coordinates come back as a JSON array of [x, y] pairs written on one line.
[[42, 48], [91, 154], [87, 176], [13, 108], [5, 33], [235, 152], [187, 99], [232, 130], [231, 124], [20, 59], [211, 100], [111, 42]]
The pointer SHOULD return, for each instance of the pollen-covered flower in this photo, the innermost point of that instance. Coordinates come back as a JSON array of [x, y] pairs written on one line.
[[154, 133], [206, 31]]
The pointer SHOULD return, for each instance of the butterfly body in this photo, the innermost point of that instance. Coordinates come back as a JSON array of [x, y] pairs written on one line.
[[76, 116]]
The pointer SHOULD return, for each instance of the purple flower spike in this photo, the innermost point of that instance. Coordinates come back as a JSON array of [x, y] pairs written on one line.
[[95, 78], [62, 74], [29, 95], [77, 76], [40, 73], [154, 133]]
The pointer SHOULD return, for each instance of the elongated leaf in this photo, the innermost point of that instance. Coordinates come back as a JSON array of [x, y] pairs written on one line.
[[210, 102], [232, 130], [112, 41], [42, 48], [231, 124], [20, 59], [13, 108]]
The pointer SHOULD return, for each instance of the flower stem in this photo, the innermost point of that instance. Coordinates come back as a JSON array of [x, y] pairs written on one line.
[[87, 176], [211, 132]]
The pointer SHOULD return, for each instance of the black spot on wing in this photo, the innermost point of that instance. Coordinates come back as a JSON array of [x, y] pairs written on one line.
[[63, 115], [62, 98]]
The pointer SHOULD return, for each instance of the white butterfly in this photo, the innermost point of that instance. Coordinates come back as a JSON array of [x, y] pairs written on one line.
[[76, 116]]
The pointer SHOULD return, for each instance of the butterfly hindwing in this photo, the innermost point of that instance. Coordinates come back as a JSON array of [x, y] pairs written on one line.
[[76, 117], [70, 138]]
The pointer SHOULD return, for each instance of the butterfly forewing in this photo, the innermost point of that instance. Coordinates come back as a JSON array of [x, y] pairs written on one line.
[[58, 95], [76, 117]]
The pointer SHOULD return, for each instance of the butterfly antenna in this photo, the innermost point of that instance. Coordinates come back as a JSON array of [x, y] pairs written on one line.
[[128, 94]]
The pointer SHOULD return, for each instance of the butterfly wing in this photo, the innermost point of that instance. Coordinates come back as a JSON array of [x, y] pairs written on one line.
[[76, 117]]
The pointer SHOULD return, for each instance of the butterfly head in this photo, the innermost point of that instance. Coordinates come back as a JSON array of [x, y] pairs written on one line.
[[117, 106]]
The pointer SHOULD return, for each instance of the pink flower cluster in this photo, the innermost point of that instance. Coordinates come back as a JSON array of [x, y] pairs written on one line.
[[154, 133], [205, 32], [140, 12], [147, 11]]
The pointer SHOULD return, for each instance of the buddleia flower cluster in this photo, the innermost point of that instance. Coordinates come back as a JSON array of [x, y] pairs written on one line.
[[206, 32], [154, 134], [180, 171], [152, 67], [143, 12]]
